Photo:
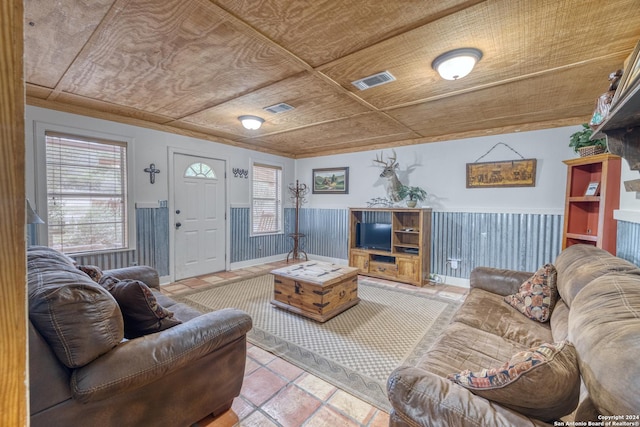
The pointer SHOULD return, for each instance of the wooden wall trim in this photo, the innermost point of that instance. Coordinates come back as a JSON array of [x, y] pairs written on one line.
[[525, 127], [13, 313], [73, 109]]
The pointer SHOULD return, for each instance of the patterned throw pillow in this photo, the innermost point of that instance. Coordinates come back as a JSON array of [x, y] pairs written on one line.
[[140, 310], [92, 271], [542, 382], [538, 295]]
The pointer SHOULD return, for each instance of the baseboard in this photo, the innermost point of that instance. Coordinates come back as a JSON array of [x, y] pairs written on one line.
[[455, 281]]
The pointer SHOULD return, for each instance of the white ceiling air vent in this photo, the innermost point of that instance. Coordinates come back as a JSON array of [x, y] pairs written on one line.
[[374, 80], [279, 108]]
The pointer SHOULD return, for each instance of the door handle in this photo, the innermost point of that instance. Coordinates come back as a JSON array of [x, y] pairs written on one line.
[[178, 225]]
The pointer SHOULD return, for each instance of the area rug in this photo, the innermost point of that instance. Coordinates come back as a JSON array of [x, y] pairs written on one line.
[[356, 350]]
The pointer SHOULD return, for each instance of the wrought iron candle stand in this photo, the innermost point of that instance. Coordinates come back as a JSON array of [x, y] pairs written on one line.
[[298, 196]]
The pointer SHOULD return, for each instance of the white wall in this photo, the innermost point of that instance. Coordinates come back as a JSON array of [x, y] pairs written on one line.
[[151, 146], [440, 168], [147, 146], [629, 201]]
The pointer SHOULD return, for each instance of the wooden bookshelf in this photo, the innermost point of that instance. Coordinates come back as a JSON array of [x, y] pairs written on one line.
[[588, 218]]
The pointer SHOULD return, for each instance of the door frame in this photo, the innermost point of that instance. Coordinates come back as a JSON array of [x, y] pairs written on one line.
[[171, 152]]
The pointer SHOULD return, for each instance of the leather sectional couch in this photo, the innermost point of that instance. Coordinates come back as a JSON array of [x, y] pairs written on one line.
[[83, 372], [592, 373]]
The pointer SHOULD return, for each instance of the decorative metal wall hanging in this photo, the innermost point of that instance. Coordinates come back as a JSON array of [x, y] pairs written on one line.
[[508, 173], [379, 202], [240, 173], [152, 171]]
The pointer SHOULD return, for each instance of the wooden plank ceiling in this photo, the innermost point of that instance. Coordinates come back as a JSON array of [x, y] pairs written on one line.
[[193, 66]]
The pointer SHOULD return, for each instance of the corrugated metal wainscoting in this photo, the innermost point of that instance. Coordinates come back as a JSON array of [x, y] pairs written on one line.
[[516, 241], [327, 231], [628, 241], [152, 233], [244, 247], [107, 260]]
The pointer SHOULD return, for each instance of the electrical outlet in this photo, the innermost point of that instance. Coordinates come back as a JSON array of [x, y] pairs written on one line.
[[453, 263]]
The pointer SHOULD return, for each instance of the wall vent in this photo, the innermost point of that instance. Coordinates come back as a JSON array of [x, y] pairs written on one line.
[[374, 80], [279, 108]]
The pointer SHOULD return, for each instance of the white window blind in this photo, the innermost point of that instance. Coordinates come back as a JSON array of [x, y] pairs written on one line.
[[86, 193], [266, 199]]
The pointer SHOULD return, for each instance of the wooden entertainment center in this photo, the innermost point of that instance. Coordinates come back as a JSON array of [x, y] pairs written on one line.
[[409, 258]]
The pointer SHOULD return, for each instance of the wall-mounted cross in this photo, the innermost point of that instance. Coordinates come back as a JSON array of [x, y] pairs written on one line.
[[152, 171]]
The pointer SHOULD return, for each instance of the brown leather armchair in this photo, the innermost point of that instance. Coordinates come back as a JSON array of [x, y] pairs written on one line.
[[82, 372]]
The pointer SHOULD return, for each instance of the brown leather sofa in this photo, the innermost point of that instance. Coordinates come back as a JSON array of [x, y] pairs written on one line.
[[598, 312], [82, 372]]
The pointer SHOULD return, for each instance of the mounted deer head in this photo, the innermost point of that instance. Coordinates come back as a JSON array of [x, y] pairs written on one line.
[[393, 184]]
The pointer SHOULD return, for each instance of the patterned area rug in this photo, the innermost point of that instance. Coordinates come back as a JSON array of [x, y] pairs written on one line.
[[356, 350]]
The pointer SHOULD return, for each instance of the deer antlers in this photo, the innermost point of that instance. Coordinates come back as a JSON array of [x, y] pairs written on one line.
[[391, 162]]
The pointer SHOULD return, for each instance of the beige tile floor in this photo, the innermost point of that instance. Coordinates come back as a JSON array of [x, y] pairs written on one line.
[[277, 393]]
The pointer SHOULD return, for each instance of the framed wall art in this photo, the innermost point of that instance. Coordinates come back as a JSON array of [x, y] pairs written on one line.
[[592, 189], [510, 173], [330, 181]]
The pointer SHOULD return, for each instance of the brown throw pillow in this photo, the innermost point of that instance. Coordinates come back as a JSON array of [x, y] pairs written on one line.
[[78, 318], [92, 271], [140, 310], [537, 295], [542, 382]]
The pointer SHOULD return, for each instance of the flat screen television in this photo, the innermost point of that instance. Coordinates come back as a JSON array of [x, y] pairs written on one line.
[[373, 235]]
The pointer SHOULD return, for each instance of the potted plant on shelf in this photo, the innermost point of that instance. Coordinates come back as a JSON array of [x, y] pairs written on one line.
[[582, 144], [415, 194]]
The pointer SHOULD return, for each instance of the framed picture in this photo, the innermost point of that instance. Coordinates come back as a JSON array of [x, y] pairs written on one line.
[[331, 181], [630, 77], [510, 173], [592, 189]]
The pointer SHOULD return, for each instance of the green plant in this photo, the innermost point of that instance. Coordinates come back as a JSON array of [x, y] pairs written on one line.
[[582, 138], [413, 193]]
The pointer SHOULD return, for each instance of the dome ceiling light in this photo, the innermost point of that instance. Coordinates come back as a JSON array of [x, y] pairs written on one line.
[[251, 122], [457, 63]]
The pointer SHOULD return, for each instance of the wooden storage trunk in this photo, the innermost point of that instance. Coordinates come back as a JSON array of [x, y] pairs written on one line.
[[318, 298]]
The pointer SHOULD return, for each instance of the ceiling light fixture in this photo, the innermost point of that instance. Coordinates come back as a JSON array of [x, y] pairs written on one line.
[[251, 122], [457, 63]]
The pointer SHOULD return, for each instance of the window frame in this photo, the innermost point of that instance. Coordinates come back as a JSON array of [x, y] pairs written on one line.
[[198, 175], [40, 130], [279, 203]]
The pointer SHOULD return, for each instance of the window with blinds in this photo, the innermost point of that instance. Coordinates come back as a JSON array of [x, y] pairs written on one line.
[[266, 199], [86, 193]]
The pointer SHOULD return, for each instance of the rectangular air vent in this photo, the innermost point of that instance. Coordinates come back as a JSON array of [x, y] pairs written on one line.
[[374, 80], [279, 108]]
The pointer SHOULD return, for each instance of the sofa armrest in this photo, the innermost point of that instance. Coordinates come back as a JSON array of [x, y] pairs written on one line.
[[421, 398], [498, 281], [141, 361], [144, 273]]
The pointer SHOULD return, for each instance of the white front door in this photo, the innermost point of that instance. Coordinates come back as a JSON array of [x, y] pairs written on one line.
[[199, 215]]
